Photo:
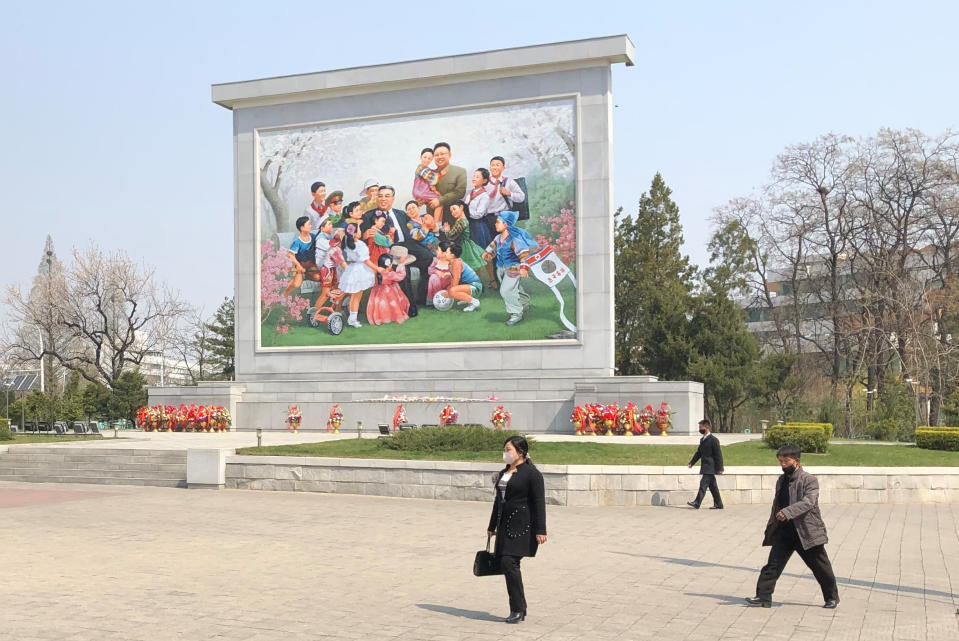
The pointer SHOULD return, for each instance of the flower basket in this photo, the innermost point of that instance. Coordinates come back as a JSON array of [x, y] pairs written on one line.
[[664, 418], [399, 417], [501, 418], [448, 415], [293, 419], [335, 419]]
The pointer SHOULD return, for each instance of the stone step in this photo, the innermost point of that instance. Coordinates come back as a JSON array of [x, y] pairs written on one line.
[[97, 480], [95, 451], [8, 470], [96, 458]]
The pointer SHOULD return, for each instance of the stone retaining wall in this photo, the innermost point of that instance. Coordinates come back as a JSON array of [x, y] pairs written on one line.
[[582, 484]]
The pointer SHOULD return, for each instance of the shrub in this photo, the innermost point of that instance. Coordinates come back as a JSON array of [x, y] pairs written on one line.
[[468, 438], [5, 434], [827, 427], [884, 430], [938, 438], [808, 438]]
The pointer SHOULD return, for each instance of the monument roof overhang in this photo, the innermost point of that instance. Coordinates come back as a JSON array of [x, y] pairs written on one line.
[[518, 61]]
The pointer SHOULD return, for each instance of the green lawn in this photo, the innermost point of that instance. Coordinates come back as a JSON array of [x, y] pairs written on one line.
[[432, 326], [750, 453], [43, 438]]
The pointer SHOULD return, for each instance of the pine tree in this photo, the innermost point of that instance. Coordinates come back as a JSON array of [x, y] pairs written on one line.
[[653, 288], [222, 341]]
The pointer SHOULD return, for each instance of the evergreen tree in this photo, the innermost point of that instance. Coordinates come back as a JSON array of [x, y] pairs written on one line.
[[653, 288], [128, 395], [222, 342], [96, 400]]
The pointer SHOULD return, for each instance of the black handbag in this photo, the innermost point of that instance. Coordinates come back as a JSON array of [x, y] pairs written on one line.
[[486, 563]]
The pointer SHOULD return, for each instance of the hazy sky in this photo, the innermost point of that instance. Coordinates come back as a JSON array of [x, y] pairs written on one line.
[[109, 133]]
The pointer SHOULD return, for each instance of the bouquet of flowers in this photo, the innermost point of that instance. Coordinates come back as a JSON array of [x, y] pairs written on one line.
[[501, 418], [399, 417], [596, 412], [646, 419], [293, 418], [628, 422], [335, 419], [611, 419], [202, 419], [580, 420], [219, 418], [664, 418], [449, 415]]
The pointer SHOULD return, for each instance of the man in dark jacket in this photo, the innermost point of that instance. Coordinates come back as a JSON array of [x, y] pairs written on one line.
[[795, 525], [711, 465]]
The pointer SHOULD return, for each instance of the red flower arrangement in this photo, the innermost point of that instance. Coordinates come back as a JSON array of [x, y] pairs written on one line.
[[628, 422], [206, 418], [501, 418], [664, 418], [449, 415], [399, 417], [334, 420], [293, 418], [580, 420]]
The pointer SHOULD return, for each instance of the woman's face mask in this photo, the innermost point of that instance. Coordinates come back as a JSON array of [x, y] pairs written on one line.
[[508, 457]]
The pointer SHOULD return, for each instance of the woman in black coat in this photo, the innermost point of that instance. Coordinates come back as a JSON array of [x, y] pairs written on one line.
[[518, 520]]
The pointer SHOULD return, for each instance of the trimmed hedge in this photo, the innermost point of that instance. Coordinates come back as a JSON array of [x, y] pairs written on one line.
[[938, 438], [825, 426], [807, 437], [451, 438], [5, 434]]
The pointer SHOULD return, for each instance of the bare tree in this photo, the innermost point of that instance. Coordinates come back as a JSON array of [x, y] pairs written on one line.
[[107, 312]]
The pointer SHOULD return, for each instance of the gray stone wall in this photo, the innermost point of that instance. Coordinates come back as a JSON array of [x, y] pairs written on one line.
[[581, 485]]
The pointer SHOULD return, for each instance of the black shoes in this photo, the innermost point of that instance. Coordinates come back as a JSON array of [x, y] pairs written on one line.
[[693, 504], [716, 507], [755, 600], [831, 604], [515, 617]]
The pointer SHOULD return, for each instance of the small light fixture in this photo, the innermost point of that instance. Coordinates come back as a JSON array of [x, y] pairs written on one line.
[[259, 437], [359, 429]]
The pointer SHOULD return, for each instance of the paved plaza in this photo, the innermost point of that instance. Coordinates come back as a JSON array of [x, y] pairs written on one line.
[[127, 563]]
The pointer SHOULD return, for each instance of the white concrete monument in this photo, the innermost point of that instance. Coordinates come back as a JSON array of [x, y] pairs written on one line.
[[527, 130]]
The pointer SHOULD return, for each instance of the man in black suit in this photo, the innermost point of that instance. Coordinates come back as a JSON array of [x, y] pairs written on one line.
[[398, 220], [711, 465]]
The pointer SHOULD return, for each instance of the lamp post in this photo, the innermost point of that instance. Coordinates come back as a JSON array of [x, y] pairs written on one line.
[[40, 334], [915, 389]]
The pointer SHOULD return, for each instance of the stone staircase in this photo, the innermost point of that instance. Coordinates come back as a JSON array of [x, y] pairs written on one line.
[[85, 464]]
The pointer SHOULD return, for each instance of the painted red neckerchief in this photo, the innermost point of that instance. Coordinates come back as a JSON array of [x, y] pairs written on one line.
[[320, 210], [476, 192]]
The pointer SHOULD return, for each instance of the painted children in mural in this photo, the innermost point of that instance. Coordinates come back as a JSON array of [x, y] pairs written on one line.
[[334, 207], [459, 233], [321, 242], [317, 207], [464, 284], [422, 229], [333, 262], [360, 271], [352, 213], [387, 303], [379, 237], [511, 247], [368, 196], [451, 185], [504, 192], [425, 179], [302, 254]]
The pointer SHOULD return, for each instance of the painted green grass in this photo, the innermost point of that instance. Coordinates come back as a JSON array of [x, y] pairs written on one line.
[[19, 439], [750, 453], [432, 326]]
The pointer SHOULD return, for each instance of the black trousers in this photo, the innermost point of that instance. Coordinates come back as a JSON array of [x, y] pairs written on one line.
[[785, 542], [424, 258], [514, 583], [708, 481]]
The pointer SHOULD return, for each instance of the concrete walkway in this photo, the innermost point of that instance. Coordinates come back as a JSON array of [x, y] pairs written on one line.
[[156, 564]]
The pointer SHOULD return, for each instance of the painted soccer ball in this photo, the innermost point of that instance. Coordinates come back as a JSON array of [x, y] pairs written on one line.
[[442, 302]]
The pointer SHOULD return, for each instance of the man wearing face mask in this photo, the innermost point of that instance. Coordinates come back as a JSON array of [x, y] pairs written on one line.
[[712, 464], [795, 525]]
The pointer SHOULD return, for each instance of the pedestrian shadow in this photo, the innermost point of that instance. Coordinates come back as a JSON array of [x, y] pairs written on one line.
[[847, 581], [476, 615], [725, 599]]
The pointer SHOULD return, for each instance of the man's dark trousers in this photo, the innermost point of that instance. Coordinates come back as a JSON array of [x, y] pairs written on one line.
[[785, 542], [708, 481]]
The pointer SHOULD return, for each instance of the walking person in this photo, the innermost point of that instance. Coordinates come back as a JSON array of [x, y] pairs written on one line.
[[711, 455], [518, 520], [795, 525]]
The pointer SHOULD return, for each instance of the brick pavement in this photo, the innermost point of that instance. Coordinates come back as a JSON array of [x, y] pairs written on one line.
[[163, 564]]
